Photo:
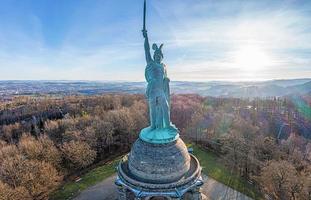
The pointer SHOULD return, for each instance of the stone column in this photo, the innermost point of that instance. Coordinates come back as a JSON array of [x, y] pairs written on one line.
[[121, 193], [197, 196]]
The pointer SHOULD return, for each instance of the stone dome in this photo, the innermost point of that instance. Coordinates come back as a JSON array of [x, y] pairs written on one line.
[[159, 163]]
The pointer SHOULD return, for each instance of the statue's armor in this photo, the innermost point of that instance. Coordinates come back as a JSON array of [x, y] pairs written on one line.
[[154, 74]]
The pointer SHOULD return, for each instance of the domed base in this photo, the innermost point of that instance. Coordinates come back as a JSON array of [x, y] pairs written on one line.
[[130, 187], [159, 163], [159, 170], [159, 136]]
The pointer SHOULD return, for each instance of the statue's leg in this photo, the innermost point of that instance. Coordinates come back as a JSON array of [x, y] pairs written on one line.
[[157, 113], [159, 121], [152, 113]]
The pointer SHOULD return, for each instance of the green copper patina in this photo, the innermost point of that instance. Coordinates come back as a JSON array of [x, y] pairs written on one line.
[[161, 130]]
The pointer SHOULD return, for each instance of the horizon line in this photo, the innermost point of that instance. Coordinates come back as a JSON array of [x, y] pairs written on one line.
[[138, 81]]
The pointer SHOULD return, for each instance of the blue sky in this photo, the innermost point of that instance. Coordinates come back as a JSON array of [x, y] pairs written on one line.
[[203, 39]]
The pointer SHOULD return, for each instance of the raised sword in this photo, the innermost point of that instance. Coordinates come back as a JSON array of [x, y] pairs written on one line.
[[144, 23]]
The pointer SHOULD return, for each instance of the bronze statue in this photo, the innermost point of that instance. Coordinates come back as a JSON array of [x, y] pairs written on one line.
[[158, 90]]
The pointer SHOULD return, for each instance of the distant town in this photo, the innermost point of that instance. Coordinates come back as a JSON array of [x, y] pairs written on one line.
[[264, 89]]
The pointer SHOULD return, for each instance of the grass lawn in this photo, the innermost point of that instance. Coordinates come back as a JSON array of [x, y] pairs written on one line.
[[216, 170], [72, 189]]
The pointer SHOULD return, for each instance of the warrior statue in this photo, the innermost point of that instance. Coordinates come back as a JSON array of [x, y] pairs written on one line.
[[158, 92]]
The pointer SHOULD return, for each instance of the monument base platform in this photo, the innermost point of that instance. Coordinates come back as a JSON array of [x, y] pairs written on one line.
[[159, 171]]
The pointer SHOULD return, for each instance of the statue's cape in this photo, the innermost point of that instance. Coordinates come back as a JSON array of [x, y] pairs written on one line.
[[166, 89], [166, 85]]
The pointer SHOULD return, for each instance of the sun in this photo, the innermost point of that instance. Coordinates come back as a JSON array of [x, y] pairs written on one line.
[[251, 59]]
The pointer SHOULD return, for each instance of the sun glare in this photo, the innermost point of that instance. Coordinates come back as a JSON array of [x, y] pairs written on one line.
[[251, 59]]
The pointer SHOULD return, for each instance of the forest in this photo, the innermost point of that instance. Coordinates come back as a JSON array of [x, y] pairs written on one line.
[[44, 140]]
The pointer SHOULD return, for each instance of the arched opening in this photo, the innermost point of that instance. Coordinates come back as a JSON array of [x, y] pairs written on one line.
[[130, 194], [187, 196], [158, 198]]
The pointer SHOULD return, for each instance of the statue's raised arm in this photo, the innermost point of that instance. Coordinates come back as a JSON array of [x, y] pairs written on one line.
[[146, 44], [147, 47]]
